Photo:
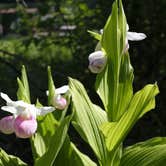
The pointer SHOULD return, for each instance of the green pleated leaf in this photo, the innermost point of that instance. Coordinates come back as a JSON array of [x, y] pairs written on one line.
[[149, 153], [23, 92], [107, 81], [125, 89], [116, 156], [7, 160], [142, 101], [46, 129], [88, 117], [109, 85], [55, 144], [111, 35], [38, 145], [69, 155]]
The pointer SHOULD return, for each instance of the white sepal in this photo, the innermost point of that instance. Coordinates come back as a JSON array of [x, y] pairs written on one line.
[[134, 36], [62, 89]]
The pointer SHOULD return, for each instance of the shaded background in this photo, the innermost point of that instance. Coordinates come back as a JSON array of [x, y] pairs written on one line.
[[49, 32]]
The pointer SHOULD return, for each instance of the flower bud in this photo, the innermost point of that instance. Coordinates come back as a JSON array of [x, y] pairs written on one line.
[[6, 125], [59, 102], [25, 127], [97, 61]]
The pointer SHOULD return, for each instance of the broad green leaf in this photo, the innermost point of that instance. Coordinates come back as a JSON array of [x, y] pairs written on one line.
[[111, 35], [149, 153], [23, 92], [125, 89], [38, 145], [108, 83], [46, 128], [37, 142], [69, 155], [95, 35], [116, 156], [122, 26], [142, 101], [6, 159], [55, 145], [88, 117]]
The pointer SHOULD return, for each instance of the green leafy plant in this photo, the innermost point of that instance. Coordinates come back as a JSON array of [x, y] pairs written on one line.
[[103, 128]]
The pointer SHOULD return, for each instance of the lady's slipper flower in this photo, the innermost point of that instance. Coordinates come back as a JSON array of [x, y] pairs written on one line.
[[58, 100], [24, 116], [97, 61], [25, 127], [7, 125]]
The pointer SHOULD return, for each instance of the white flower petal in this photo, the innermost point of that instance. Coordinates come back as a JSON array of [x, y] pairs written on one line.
[[96, 55], [20, 103], [44, 110], [127, 27], [101, 31], [47, 92], [5, 97], [62, 89], [10, 109], [134, 36]]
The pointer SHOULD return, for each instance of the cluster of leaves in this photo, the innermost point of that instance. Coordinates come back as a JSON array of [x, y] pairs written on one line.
[[103, 129]]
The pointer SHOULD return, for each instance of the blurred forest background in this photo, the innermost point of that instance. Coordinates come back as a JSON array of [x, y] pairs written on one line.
[[39, 33]]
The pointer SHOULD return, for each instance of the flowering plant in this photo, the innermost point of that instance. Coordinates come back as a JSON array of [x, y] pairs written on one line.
[[103, 128]]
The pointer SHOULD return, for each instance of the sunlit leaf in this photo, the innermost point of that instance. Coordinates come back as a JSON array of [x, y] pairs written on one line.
[[149, 153], [6, 159], [125, 89], [46, 128], [69, 155], [38, 145], [142, 101], [55, 145], [88, 117], [108, 83]]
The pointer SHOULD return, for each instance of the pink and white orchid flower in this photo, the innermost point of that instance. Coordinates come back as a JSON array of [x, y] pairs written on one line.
[[23, 122], [97, 61], [58, 100]]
